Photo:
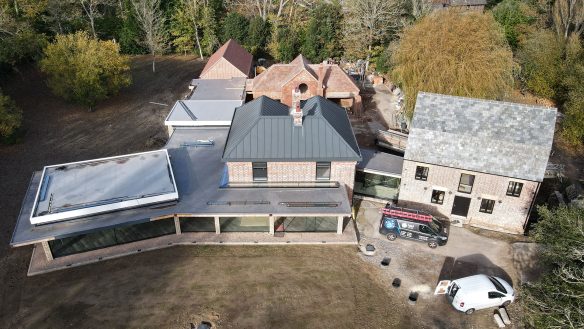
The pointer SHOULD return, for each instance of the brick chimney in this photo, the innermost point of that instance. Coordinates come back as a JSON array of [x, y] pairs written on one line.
[[321, 73], [295, 110]]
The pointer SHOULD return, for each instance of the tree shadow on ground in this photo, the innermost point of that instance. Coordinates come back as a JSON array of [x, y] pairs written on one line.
[[453, 269]]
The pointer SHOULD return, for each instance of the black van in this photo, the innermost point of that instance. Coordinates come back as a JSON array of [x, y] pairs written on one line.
[[412, 224]]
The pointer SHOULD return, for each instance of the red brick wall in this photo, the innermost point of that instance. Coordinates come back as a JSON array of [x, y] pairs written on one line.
[[342, 172], [303, 77], [222, 70]]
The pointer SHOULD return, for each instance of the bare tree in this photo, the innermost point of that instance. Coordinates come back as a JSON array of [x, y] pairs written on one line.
[[193, 9], [6, 22], [152, 21], [91, 10], [420, 8], [265, 8], [371, 21], [568, 17], [59, 12]]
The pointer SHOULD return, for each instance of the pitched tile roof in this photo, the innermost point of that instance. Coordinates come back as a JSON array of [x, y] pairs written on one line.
[[234, 53], [500, 138], [272, 80], [263, 130]]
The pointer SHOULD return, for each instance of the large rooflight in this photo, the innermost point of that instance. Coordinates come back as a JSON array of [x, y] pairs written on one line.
[[85, 188]]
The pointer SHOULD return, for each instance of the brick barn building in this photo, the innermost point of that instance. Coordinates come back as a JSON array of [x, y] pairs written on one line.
[[326, 80], [476, 161], [229, 61]]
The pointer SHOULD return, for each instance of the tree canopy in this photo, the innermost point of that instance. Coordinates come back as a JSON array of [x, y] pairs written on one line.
[[541, 58], [235, 27], [434, 56], [516, 17], [323, 37], [84, 70], [557, 299], [10, 117]]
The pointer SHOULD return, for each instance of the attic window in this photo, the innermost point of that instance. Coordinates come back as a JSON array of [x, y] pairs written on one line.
[[303, 88]]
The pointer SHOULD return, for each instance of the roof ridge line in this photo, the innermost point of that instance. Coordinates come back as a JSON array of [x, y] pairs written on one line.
[[320, 99]]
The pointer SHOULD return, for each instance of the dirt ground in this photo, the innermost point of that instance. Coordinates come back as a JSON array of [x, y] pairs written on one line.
[[243, 287]]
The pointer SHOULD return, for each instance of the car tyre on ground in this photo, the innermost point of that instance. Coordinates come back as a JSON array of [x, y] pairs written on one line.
[[433, 244], [505, 304], [470, 311], [391, 236]]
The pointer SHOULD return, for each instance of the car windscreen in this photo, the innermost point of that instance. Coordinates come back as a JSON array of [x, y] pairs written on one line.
[[435, 225], [498, 285], [453, 290]]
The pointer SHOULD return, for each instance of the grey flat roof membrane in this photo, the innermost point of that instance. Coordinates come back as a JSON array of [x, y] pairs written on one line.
[[381, 162], [84, 188], [202, 113], [199, 175], [218, 89]]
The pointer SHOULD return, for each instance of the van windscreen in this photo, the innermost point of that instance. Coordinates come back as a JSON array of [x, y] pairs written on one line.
[[435, 225], [498, 285]]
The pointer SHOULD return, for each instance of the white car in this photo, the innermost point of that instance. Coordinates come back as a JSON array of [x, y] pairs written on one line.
[[479, 291]]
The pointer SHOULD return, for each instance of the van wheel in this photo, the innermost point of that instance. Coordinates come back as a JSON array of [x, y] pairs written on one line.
[[469, 311], [391, 236], [432, 244], [505, 304]]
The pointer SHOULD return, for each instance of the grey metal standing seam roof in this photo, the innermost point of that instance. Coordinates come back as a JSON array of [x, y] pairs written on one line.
[[500, 138], [263, 130]]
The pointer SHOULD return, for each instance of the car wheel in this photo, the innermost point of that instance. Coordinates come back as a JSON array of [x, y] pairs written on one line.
[[391, 236], [505, 304], [469, 311], [432, 244]]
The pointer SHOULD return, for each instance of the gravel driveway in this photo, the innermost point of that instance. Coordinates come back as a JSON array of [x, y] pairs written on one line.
[[420, 268]]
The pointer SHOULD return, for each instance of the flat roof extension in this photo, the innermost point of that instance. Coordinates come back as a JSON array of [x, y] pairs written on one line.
[[192, 113], [79, 189], [218, 89]]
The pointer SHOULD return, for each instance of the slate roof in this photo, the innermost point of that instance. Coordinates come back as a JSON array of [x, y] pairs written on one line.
[[272, 80], [263, 130], [507, 139], [234, 53]]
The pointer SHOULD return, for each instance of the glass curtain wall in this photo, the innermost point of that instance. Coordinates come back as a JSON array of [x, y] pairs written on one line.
[[111, 237], [306, 224], [244, 224], [376, 186], [197, 224]]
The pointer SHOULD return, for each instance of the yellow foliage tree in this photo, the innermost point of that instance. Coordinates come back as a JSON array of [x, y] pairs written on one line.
[[449, 52], [85, 70]]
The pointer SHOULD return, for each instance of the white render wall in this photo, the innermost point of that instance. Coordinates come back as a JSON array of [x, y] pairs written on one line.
[[509, 213]]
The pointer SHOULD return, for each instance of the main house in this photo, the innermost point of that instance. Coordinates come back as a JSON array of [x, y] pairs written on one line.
[[327, 80], [476, 161], [276, 170]]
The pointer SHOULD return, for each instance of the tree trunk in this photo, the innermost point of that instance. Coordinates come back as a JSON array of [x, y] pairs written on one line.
[[92, 27], [198, 42]]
